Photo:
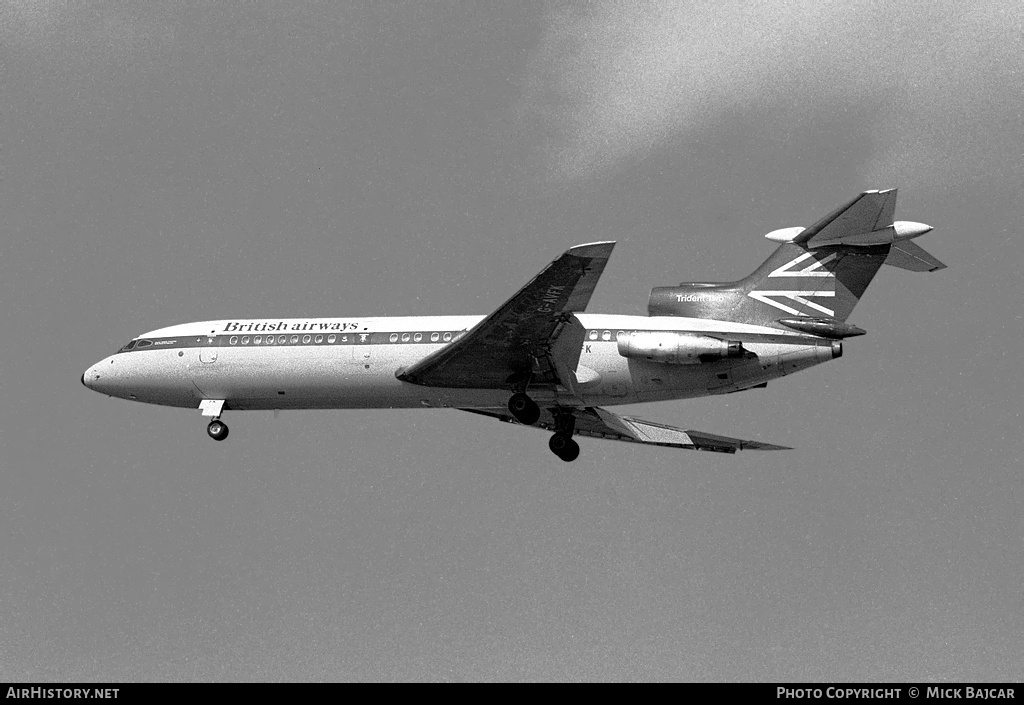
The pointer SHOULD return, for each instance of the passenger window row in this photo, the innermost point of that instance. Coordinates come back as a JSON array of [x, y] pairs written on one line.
[[604, 335], [283, 339], [418, 337], [331, 339]]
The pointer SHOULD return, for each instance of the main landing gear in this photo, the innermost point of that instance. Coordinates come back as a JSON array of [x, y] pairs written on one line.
[[562, 445], [218, 430], [526, 412], [524, 409]]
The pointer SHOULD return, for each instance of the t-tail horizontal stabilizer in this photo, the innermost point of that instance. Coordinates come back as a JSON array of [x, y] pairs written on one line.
[[866, 221], [910, 255], [596, 422]]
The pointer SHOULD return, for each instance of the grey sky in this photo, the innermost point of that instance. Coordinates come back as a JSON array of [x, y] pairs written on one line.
[[167, 162]]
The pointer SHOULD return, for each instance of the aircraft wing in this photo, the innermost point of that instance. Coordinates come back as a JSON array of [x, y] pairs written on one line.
[[596, 422], [505, 346], [870, 211]]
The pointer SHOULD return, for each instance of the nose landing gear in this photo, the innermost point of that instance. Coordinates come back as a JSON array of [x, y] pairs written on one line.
[[218, 430]]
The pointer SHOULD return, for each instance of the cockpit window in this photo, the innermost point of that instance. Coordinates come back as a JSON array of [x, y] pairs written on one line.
[[128, 347], [144, 343]]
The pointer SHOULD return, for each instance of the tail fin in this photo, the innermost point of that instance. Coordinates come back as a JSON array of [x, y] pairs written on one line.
[[826, 282], [820, 272]]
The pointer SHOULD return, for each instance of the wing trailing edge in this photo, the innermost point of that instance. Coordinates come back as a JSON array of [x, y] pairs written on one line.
[[595, 422]]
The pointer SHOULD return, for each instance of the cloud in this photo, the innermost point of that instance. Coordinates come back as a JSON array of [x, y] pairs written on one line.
[[611, 82], [83, 31], [28, 21]]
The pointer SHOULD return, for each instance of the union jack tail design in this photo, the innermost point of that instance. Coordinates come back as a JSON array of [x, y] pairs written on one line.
[[822, 282], [825, 282]]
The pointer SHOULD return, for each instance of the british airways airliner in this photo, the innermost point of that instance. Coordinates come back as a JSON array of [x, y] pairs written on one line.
[[539, 360]]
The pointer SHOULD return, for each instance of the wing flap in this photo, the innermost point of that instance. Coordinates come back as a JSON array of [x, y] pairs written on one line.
[[507, 343], [596, 422]]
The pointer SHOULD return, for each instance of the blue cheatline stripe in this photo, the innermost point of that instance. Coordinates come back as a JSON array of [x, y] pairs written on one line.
[[248, 340]]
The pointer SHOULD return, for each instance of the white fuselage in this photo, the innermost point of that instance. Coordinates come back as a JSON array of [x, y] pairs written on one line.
[[347, 363]]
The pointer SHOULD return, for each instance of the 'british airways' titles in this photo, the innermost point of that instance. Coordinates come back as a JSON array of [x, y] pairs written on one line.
[[260, 326]]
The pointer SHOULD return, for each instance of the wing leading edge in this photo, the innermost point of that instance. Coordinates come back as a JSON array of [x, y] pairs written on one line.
[[596, 422], [515, 341]]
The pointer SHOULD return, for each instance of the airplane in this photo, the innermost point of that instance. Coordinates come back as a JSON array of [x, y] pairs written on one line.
[[539, 360]]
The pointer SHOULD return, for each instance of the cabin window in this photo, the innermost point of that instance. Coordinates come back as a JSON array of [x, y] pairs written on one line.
[[295, 339], [245, 340], [405, 337], [331, 338], [319, 339], [417, 338], [257, 340], [234, 340], [306, 339], [434, 337], [394, 338], [282, 339], [593, 335], [144, 343], [607, 335], [447, 337], [620, 334]]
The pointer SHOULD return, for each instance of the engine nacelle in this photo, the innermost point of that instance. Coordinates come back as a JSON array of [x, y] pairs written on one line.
[[676, 348]]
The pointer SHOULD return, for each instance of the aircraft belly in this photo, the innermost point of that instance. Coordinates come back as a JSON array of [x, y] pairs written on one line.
[[326, 378], [619, 380], [295, 377], [625, 381], [765, 362], [602, 374]]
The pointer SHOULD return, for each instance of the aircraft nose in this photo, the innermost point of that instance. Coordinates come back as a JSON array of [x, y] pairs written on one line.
[[89, 378]]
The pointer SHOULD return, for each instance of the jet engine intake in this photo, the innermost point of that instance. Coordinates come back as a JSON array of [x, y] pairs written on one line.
[[676, 348]]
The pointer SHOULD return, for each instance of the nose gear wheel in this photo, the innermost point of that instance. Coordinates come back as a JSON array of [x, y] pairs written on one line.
[[218, 430]]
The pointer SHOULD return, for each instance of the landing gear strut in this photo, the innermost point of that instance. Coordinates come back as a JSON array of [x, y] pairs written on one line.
[[218, 430], [524, 409]]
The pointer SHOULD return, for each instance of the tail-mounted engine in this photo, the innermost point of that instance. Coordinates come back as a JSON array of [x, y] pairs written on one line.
[[676, 348]]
